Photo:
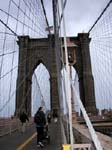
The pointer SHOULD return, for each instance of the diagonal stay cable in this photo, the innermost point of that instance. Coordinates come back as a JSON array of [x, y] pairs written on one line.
[[60, 19], [16, 89], [8, 53], [39, 89], [45, 16], [15, 67], [100, 15], [8, 27], [16, 20], [24, 99], [13, 56], [7, 33]]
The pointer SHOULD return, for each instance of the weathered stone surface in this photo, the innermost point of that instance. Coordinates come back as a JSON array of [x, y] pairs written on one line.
[[32, 52]]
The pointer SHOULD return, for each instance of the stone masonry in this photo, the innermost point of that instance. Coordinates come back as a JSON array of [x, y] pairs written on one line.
[[32, 52]]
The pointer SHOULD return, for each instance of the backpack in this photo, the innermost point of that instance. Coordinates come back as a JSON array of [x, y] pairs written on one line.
[[37, 118]]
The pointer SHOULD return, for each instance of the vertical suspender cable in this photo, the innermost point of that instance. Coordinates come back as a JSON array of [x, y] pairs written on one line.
[[68, 77]]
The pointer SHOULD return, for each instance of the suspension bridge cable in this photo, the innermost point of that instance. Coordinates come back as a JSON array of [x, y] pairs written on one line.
[[68, 79], [16, 66], [18, 85], [40, 91], [35, 24], [45, 16], [63, 81], [23, 102], [7, 33], [12, 63], [101, 52], [31, 10], [100, 15], [1, 109], [88, 122], [61, 17], [29, 27], [4, 41], [8, 27], [8, 53]]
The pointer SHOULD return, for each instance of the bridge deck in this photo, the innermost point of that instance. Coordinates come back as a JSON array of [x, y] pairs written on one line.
[[55, 139], [19, 141]]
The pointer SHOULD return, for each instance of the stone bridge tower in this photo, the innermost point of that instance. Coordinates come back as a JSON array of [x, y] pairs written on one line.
[[79, 57], [32, 52]]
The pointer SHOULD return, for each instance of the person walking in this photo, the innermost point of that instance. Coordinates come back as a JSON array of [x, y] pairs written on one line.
[[40, 121], [23, 118], [49, 118]]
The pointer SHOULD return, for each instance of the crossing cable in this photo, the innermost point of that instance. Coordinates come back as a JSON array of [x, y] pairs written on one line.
[[68, 77], [21, 22], [15, 90], [8, 53], [100, 15], [5, 24], [43, 101], [104, 63], [63, 81], [25, 15], [12, 63], [101, 50], [24, 19], [64, 85], [45, 16], [7, 27], [29, 27], [4, 41], [7, 33], [23, 102], [61, 17], [32, 7], [88, 122], [16, 66]]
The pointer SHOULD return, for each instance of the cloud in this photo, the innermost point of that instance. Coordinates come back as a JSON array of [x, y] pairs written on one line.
[[80, 15]]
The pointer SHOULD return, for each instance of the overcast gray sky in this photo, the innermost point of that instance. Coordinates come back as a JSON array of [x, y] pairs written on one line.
[[80, 14]]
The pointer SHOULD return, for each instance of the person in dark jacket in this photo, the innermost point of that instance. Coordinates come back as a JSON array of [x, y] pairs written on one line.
[[23, 118], [40, 121], [49, 118]]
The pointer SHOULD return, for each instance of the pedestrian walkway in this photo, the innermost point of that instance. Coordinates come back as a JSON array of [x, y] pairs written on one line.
[[14, 140], [55, 139], [27, 140]]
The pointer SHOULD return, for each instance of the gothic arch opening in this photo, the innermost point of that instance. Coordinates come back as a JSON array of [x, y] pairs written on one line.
[[44, 49], [40, 89]]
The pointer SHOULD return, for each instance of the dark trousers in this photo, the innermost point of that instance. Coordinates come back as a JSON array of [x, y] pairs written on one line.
[[40, 133]]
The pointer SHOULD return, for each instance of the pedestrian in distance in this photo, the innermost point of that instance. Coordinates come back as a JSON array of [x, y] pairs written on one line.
[[55, 116], [23, 118], [40, 122], [49, 118]]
